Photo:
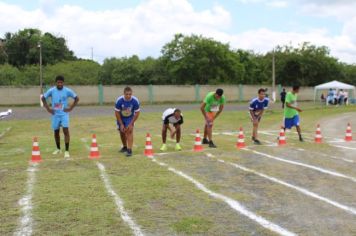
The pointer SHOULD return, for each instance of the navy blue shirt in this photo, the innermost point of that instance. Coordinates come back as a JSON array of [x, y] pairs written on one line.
[[127, 108], [257, 105]]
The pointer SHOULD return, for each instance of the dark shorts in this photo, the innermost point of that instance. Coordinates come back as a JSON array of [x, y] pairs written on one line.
[[253, 117], [290, 122], [125, 121]]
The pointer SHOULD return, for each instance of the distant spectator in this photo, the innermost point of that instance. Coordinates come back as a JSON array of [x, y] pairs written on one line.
[[335, 96], [341, 97], [283, 97], [322, 98], [330, 98], [346, 96]]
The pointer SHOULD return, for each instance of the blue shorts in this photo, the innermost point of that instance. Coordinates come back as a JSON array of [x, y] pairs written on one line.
[[60, 121], [290, 122], [126, 121]]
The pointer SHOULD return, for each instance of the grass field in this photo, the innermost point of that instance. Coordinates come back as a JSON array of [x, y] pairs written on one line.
[[300, 188]]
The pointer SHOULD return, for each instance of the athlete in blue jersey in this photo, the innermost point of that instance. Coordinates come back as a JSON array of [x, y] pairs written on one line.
[[60, 111], [257, 107], [127, 110]]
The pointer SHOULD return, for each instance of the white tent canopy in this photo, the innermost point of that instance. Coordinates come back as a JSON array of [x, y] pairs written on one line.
[[333, 85]]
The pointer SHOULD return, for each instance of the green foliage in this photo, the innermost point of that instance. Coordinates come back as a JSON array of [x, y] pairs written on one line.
[[9, 75], [184, 60], [197, 60], [22, 48], [82, 72]]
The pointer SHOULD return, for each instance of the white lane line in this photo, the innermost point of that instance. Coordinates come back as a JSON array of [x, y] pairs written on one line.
[[339, 146], [330, 172], [118, 201], [5, 131], [317, 153], [208, 154], [299, 189], [231, 202], [332, 157], [25, 226], [291, 137]]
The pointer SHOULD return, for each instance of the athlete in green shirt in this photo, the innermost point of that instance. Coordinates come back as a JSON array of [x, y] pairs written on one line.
[[211, 108], [291, 111]]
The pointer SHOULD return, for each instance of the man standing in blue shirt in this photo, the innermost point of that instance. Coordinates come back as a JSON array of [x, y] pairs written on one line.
[[127, 110], [257, 107], [60, 112]]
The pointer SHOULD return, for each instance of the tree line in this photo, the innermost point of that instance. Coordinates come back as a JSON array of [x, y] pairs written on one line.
[[186, 59]]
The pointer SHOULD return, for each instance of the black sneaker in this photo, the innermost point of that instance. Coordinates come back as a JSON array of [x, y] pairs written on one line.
[[301, 139], [129, 153], [212, 145], [257, 142], [205, 141], [123, 150]]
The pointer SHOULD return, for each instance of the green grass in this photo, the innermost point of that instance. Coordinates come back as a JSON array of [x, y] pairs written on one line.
[[70, 198]]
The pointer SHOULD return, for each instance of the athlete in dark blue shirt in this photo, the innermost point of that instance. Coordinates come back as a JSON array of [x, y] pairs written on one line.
[[127, 110], [257, 107]]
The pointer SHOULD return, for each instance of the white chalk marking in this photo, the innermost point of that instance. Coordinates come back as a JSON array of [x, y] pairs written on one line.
[[5, 131], [339, 146], [25, 227], [231, 202], [118, 201], [299, 189], [330, 172], [209, 155]]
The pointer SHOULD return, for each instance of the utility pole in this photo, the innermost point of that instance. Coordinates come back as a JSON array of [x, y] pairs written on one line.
[[273, 77], [92, 53], [39, 45]]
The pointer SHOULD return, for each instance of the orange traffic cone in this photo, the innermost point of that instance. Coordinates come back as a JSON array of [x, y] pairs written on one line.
[[36, 155], [348, 135], [198, 147], [241, 139], [282, 137], [148, 146], [318, 136], [94, 149]]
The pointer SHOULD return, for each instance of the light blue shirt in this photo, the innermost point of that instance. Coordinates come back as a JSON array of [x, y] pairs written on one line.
[[59, 99]]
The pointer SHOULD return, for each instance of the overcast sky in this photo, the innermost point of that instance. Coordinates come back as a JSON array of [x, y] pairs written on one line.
[[117, 28]]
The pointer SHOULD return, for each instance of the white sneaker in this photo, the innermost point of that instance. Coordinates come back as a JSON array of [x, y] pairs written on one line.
[[66, 154], [56, 152]]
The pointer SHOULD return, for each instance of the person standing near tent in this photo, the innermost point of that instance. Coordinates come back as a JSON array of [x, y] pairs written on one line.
[[211, 108], [60, 112], [291, 111], [283, 97], [346, 97]]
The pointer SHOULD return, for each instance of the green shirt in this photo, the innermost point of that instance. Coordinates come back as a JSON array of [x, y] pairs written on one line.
[[292, 100], [212, 104]]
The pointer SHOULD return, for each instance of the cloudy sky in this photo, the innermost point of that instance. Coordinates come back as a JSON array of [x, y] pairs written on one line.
[[116, 28]]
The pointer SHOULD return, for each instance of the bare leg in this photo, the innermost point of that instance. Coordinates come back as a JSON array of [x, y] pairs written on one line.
[[209, 129], [129, 138], [299, 131], [123, 138], [178, 133], [205, 131], [164, 133], [57, 139], [66, 138], [254, 131]]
